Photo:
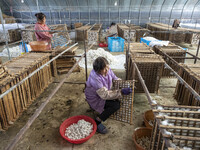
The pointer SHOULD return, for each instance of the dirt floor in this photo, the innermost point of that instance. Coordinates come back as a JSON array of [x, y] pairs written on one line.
[[70, 101]]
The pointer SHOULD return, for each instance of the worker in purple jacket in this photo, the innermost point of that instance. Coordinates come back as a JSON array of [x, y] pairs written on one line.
[[99, 94]]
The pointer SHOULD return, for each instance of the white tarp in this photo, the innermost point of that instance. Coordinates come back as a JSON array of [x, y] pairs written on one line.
[[155, 41]]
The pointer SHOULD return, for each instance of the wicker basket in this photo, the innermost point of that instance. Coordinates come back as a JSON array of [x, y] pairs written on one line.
[[148, 115], [38, 45], [139, 133]]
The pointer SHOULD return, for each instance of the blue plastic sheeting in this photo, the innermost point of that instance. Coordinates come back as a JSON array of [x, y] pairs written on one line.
[[144, 41]]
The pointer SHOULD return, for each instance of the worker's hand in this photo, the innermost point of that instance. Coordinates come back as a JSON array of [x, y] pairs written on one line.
[[126, 91]]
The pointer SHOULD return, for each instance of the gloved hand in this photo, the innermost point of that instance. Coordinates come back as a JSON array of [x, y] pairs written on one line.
[[126, 91]]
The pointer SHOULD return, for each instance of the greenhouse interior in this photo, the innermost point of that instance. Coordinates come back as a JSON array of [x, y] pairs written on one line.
[[99, 75]]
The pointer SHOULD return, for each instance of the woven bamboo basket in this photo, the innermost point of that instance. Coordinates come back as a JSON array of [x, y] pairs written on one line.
[[139, 133], [148, 116]]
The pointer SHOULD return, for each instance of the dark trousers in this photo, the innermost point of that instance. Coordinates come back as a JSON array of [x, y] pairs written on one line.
[[110, 107]]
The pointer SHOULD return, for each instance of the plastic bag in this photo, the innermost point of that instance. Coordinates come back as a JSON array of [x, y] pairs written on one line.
[[22, 49]]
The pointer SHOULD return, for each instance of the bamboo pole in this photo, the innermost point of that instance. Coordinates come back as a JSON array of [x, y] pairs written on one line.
[[179, 127], [175, 111], [181, 106], [177, 118]]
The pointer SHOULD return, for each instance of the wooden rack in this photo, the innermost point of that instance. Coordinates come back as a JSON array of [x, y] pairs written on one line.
[[64, 63], [179, 125], [175, 52], [149, 64], [190, 73], [94, 34], [136, 32], [15, 102], [140, 48], [81, 32], [166, 32]]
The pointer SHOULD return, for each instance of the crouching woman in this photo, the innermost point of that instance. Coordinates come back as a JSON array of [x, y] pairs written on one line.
[[99, 94]]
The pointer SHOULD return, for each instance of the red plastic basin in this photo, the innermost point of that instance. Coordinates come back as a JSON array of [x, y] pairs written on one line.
[[103, 45], [75, 119]]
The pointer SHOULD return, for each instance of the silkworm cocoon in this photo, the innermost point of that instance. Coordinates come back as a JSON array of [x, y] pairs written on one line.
[[173, 145], [187, 148], [161, 114], [165, 122], [167, 132], [79, 130], [160, 108], [170, 124], [154, 102]]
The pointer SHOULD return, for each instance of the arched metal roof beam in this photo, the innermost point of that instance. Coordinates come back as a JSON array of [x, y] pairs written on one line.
[[5, 1], [109, 5], [29, 9], [99, 11], [119, 10], [161, 10], [150, 10], [193, 10], [79, 12], [15, 5], [182, 10], [140, 12], [38, 7], [67, 3], [69, 10], [129, 12], [171, 12], [88, 3]]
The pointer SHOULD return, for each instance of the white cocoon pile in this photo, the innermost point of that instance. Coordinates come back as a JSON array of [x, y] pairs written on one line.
[[115, 62], [158, 43], [155, 41], [79, 130]]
